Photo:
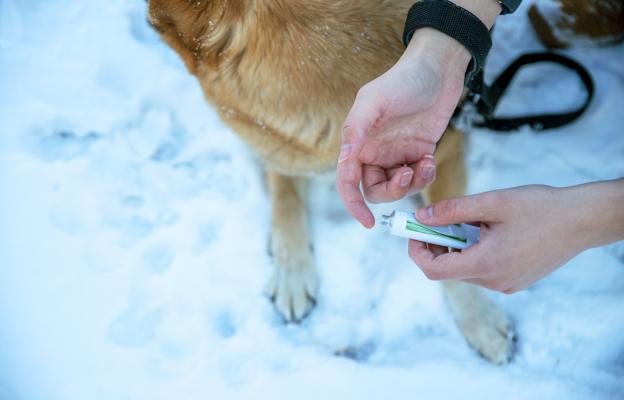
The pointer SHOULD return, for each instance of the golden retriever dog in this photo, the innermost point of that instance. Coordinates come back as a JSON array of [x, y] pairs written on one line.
[[284, 74]]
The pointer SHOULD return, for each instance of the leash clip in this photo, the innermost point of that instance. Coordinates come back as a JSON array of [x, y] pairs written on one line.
[[468, 115]]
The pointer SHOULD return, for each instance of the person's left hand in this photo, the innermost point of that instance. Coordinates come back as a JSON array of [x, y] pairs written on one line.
[[396, 120]]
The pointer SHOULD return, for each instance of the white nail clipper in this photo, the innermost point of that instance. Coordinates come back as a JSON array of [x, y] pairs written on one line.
[[405, 224]]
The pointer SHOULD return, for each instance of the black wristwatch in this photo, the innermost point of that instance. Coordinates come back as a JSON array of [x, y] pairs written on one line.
[[458, 23]]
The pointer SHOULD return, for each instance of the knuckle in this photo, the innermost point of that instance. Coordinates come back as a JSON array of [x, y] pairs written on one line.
[[432, 273], [352, 201], [396, 193], [348, 130], [349, 194], [488, 285], [510, 291], [445, 208], [497, 286], [498, 199], [373, 197], [542, 188]]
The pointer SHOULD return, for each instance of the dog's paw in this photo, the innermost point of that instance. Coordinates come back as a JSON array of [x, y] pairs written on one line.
[[493, 337], [293, 291], [484, 325]]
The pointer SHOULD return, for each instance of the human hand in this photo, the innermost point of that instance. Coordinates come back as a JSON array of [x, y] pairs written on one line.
[[391, 131], [526, 232]]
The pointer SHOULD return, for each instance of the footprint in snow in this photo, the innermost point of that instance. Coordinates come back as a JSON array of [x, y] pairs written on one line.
[[133, 201], [360, 353], [158, 259], [224, 325], [156, 135], [207, 235], [64, 145], [133, 229], [135, 327], [212, 171], [174, 350]]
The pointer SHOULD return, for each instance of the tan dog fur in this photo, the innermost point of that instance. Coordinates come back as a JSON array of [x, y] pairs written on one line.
[[283, 74]]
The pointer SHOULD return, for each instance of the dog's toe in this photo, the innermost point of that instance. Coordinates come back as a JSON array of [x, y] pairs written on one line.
[[484, 325], [495, 341], [293, 291]]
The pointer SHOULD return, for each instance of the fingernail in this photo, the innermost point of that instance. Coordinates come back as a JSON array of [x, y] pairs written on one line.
[[429, 156], [427, 172], [406, 178], [345, 152], [425, 213]]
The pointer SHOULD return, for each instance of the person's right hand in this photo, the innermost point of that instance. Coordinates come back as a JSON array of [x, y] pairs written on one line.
[[526, 232], [392, 129]]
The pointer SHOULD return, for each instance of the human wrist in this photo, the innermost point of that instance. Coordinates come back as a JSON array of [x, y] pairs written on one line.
[[436, 46], [599, 212], [453, 52]]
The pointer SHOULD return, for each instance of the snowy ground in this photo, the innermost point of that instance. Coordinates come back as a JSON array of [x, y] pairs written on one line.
[[124, 274]]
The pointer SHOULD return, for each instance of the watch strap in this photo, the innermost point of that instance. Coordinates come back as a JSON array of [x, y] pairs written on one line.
[[509, 6], [454, 21]]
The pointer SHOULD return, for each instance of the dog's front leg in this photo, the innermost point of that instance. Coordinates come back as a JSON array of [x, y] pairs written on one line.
[[481, 321], [294, 281]]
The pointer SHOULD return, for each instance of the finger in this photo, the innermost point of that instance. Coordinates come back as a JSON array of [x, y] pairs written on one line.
[[485, 207], [360, 120], [373, 175], [378, 187], [419, 252], [425, 170], [383, 185], [424, 175], [443, 266], [348, 176], [388, 150], [437, 250]]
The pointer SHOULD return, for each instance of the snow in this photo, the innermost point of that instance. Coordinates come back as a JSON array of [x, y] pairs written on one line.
[[125, 273]]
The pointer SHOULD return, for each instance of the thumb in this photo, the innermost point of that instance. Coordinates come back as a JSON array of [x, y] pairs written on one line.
[[476, 208]]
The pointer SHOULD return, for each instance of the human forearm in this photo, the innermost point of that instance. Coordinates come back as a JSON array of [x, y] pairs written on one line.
[[599, 207]]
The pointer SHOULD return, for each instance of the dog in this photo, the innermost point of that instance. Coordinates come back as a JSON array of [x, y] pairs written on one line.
[[284, 74]]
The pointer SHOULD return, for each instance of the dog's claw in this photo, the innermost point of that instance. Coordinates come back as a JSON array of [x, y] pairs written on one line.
[[484, 325], [293, 291]]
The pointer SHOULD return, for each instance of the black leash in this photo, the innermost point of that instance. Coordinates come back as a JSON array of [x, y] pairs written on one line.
[[480, 105]]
